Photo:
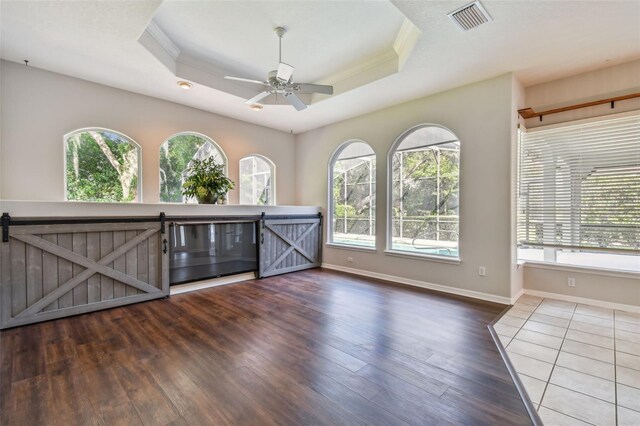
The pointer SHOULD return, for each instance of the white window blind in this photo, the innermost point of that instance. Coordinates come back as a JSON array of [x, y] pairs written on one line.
[[579, 187]]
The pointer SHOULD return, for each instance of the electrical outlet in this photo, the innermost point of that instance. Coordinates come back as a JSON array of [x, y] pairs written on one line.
[[571, 282], [350, 259], [482, 271]]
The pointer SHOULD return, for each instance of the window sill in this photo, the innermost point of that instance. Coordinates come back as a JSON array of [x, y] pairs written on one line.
[[350, 247], [428, 257], [581, 269]]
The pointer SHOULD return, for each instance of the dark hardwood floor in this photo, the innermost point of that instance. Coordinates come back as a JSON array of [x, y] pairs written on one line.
[[312, 347]]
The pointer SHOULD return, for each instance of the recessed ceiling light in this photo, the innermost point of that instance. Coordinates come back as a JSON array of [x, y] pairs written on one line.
[[185, 85], [256, 107]]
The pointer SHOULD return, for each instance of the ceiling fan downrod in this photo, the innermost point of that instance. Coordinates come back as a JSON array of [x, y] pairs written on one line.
[[280, 31]]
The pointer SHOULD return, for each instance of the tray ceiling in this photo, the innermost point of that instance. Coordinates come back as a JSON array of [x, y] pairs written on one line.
[[320, 40], [343, 44]]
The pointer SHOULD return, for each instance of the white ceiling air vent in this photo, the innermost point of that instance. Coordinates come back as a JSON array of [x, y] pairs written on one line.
[[469, 16]]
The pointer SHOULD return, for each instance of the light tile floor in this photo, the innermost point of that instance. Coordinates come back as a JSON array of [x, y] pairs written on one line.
[[580, 364]]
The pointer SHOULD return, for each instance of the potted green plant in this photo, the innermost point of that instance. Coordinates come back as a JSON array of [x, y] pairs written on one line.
[[206, 181]]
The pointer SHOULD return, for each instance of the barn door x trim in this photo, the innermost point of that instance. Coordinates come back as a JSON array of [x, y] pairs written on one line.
[[294, 245], [92, 266], [105, 265], [306, 244]]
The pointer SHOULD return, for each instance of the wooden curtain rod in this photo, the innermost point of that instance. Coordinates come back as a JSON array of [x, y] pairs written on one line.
[[530, 113]]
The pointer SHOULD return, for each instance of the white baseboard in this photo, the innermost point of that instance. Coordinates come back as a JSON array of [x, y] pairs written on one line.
[[584, 301], [199, 285], [517, 296], [421, 284]]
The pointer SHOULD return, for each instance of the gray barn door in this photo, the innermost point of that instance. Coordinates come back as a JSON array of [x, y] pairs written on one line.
[[53, 271], [289, 245]]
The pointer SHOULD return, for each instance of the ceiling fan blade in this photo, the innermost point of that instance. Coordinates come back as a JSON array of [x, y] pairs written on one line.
[[285, 71], [257, 98], [295, 101], [246, 80], [312, 88]]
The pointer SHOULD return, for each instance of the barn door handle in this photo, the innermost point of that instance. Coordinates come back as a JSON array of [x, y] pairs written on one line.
[[6, 220], [262, 238], [164, 246]]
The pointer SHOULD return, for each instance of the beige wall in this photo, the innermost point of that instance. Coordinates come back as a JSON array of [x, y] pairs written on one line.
[[480, 115], [603, 83], [590, 86], [39, 107], [600, 287]]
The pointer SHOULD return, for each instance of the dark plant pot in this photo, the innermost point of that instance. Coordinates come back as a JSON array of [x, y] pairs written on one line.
[[209, 199]]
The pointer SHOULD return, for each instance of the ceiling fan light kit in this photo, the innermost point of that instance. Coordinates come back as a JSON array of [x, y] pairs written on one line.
[[279, 81], [284, 73]]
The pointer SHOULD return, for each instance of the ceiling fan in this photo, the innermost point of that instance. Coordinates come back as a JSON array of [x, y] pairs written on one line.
[[280, 82]]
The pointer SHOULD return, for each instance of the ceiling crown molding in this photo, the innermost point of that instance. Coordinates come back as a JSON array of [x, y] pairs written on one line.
[[386, 63], [160, 45], [405, 41], [156, 32]]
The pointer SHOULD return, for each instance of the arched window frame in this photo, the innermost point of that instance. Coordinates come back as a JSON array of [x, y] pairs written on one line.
[[272, 177], [389, 211], [331, 202], [225, 159], [139, 194]]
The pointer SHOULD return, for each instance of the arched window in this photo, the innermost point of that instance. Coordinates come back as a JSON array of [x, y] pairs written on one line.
[[424, 173], [352, 195], [176, 154], [101, 165], [257, 181]]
